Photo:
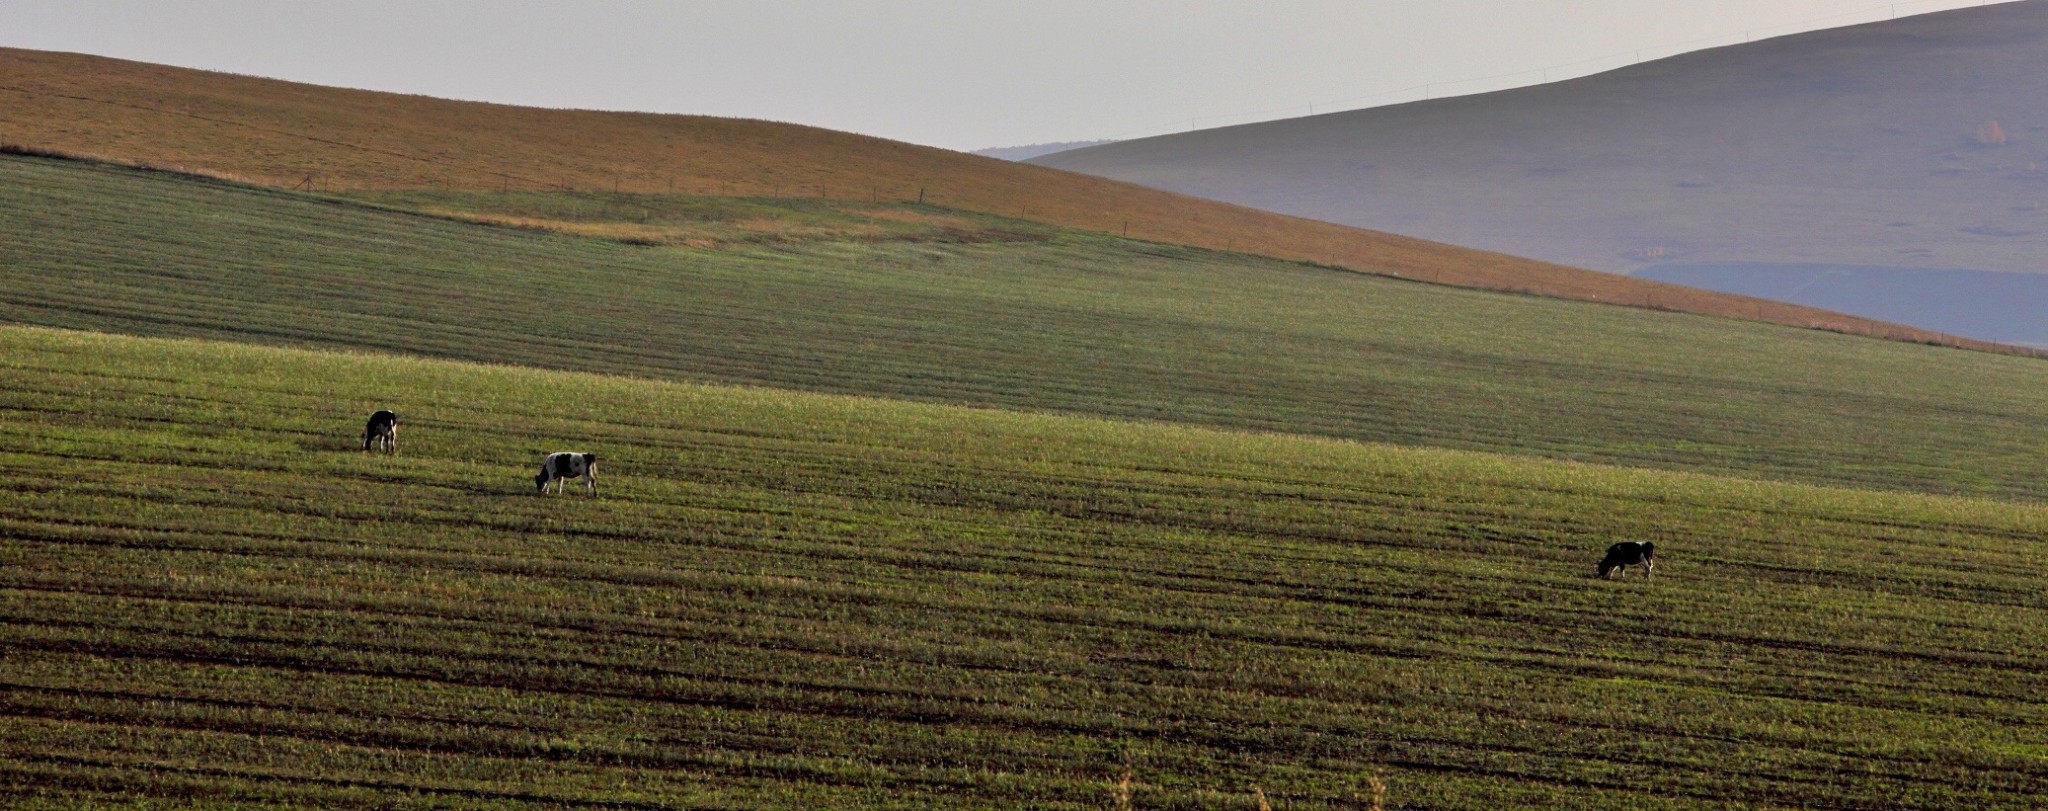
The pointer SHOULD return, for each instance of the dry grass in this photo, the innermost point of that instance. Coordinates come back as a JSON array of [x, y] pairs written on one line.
[[294, 135], [694, 236]]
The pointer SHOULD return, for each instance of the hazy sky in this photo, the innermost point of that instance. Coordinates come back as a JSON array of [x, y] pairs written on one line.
[[961, 74]]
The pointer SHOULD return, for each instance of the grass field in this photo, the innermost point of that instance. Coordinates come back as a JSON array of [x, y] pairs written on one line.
[[1017, 316], [291, 135], [209, 596], [934, 506]]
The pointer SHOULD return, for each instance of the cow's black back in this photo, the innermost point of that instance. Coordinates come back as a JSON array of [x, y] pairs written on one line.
[[1629, 553], [564, 465], [383, 426]]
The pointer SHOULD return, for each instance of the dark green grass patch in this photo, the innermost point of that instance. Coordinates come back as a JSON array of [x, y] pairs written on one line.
[[1071, 323], [209, 595]]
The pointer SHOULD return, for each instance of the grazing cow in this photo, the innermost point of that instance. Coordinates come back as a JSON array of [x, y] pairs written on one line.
[[1629, 553], [381, 432], [564, 465]]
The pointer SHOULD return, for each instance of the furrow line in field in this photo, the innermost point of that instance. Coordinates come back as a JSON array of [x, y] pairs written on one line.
[[1047, 567], [636, 579], [610, 681], [920, 715], [285, 706], [215, 775], [1829, 682], [933, 716], [926, 651], [1410, 750], [1050, 615], [690, 746]]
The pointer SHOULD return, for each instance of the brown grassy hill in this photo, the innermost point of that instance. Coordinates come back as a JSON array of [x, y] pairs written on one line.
[[295, 135]]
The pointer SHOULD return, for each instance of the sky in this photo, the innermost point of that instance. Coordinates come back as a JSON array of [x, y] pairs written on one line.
[[957, 74]]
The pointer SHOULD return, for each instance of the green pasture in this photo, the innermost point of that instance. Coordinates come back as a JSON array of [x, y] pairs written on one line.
[[210, 596], [1047, 321]]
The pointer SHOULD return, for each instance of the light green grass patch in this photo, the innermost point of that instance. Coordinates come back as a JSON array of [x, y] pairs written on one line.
[[1065, 323], [790, 600]]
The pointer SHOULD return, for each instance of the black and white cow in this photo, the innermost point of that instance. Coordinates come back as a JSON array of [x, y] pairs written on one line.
[[1629, 553], [382, 432], [563, 465]]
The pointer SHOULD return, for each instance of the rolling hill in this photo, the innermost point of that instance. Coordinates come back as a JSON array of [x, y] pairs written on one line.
[[335, 140], [1917, 144], [913, 506], [209, 597], [1047, 319]]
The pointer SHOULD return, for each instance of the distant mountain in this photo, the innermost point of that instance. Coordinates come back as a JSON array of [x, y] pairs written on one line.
[[1019, 153], [1917, 143]]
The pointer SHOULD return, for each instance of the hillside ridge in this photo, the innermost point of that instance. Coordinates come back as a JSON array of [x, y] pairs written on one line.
[[1912, 143], [293, 135]]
